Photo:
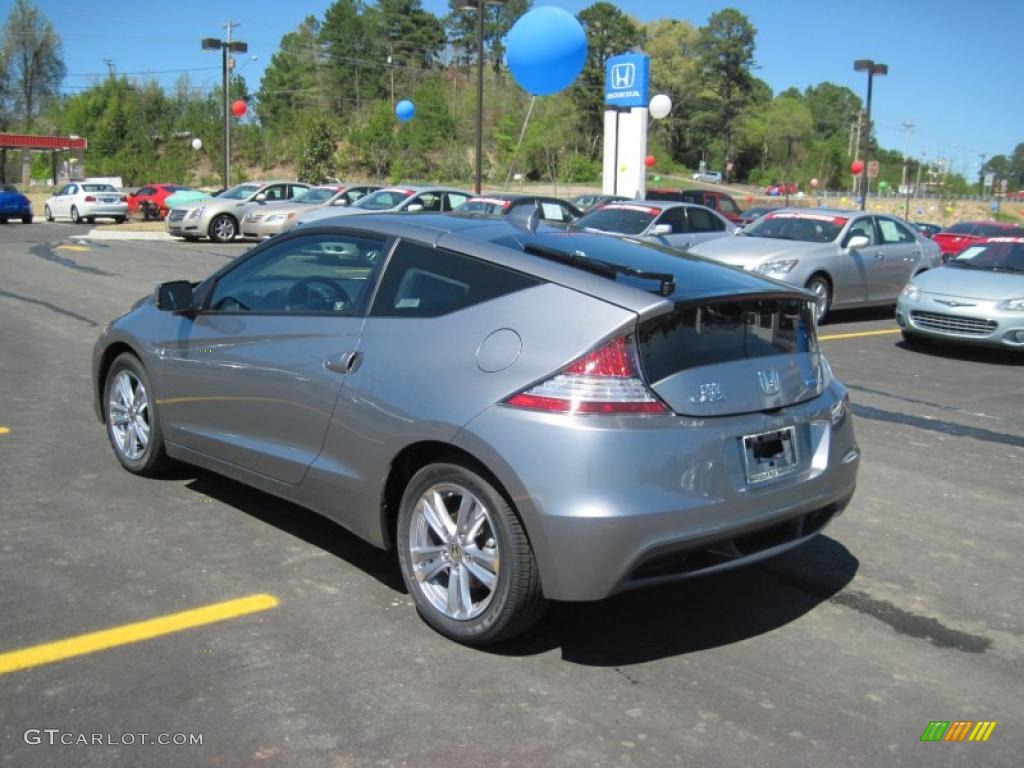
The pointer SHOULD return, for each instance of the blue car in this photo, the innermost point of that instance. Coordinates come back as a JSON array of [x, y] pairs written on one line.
[[14, 205]]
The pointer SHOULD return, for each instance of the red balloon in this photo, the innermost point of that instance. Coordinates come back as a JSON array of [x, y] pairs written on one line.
[[239, 108], [856, 166], [649, 161]]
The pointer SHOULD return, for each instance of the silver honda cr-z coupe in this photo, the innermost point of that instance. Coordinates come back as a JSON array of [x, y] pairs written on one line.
[[521, 414]]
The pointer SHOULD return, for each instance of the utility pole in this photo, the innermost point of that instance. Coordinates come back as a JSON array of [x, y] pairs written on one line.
[[227, 47], [908, 126], [110, 67], [981, 176], [856, 150]]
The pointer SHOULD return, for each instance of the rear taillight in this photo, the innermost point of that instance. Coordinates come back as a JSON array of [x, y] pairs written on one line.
[[606, 380], [90, 199]]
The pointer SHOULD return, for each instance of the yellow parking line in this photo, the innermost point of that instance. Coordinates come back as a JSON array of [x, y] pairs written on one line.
[[72, 247], [79, 645], [858, 334], [5, 430]]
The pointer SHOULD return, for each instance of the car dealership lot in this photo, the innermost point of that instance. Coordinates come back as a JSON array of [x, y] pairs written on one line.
[[907, 610]]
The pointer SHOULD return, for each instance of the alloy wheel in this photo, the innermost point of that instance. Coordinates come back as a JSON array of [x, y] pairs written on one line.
[[223, 229], [128, 413], [454, 551], [819, 288]]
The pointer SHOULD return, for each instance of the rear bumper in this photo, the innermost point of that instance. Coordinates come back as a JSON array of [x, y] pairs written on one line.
[[614, 503], [111, 210]]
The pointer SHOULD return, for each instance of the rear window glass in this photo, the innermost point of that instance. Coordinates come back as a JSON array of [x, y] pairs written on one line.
[[627, 219], [98, 188], [808, 227], [723, 332], [994, 230]]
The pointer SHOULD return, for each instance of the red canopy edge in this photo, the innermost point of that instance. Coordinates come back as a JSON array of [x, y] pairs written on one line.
[[26, 141]]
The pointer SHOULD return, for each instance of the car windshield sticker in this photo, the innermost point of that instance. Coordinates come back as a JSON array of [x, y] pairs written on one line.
[[626, 207], [838, 220]]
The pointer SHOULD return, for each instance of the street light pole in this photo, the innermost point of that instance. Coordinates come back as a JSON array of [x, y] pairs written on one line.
[[480, 6], [227, 47], [867, 65]]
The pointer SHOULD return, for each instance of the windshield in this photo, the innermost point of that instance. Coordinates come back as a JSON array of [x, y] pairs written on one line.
[[239, 192], [997, 255], [99, 188], [315, 195], [807, 227], [627, 219], [384, 199]]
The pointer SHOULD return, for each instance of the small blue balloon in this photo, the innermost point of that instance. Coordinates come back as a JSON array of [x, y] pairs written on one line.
[[546, 50], [404, 110]]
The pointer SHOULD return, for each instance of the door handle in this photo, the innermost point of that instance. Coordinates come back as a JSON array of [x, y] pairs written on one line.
[[880, 255], [343, 362]]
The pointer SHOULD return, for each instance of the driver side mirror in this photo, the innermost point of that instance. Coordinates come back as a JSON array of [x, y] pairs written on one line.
[[174, 296], [414, 208], [260, 197], [857, 241], [659, 230], [341, 202]]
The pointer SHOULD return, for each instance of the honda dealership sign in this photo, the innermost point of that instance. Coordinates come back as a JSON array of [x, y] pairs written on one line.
[[626, 80]]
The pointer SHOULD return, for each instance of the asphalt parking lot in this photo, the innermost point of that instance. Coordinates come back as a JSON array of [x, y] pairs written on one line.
[[908, 609]]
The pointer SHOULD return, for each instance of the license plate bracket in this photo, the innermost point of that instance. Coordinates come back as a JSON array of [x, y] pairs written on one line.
[[769, 455]]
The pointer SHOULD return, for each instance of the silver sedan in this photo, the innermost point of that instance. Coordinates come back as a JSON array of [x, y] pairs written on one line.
[[846, 258], [677, 225], [275, 218], [977, 298]]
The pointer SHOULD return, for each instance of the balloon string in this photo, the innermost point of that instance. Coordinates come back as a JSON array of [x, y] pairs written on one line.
[[522, 133]]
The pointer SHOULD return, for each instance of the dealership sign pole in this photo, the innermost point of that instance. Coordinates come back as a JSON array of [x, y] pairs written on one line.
[[626, 98]]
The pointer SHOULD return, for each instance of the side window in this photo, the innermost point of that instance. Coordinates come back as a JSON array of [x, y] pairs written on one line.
[[295, 189], [421, 281], [676, 218], [727, 205], [554, 212], [431, 201], [893, 231], [145, 191], [354, 194], [312, 275], [703, 220], [275, 192], [454, 200], [862, 227]]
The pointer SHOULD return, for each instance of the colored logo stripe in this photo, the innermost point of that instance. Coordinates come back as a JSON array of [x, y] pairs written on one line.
[[935, 731], [982, 730], [958, 730]]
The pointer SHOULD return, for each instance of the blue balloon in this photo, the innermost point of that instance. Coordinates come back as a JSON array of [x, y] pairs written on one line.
[[546, 50], [404, 110]]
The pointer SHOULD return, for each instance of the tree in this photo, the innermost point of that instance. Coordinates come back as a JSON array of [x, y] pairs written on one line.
[[291, 82], [498, 20], [726, 51], [833, 108], [35, 67], [317, 164], [675, 72], [609, 32]]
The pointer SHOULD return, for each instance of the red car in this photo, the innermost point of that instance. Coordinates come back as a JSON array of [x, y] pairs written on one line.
[[777, 189], [709, 198], [155, 194], [954, 240]]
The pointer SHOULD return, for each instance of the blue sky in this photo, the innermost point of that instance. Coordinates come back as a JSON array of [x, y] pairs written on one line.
[[954, 66]]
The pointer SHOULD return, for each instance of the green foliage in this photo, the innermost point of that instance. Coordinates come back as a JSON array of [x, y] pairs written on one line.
[[32, 65], [317, 163]]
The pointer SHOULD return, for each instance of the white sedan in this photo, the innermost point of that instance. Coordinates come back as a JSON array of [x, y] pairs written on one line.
[[83, 200]]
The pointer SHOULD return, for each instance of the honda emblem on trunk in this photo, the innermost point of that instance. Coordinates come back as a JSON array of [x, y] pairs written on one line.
[[769, 381]]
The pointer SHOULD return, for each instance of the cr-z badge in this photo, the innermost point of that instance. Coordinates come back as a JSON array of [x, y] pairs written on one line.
[[711, 392]]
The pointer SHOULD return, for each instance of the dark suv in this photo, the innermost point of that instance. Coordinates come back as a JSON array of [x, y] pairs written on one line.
[[713, 199]]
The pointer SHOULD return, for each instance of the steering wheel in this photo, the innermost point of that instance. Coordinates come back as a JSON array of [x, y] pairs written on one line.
[[304, 295]]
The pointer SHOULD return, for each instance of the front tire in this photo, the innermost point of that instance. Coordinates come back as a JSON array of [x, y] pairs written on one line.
[[75, 218], [133, 425], [822, 291], [465, 557], [47, 213], [223, 229]]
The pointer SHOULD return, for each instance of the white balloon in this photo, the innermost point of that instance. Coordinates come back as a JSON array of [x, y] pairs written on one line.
[[197, 143], [660, 106]]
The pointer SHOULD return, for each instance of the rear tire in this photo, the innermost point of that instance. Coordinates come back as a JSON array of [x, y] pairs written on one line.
[[485, 543], [75, 218], [820, 287], [47, 214], [133, 423]]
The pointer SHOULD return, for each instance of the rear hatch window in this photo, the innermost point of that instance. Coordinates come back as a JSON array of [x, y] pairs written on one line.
[[733, 356]]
